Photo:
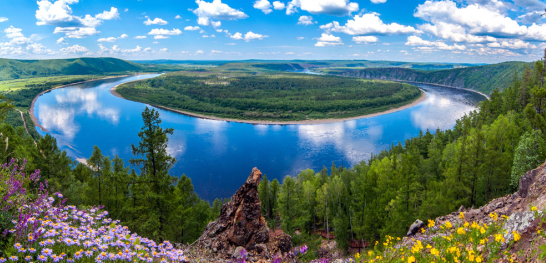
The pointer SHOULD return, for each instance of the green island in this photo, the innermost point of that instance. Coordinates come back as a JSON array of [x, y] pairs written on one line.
[[270, 96]]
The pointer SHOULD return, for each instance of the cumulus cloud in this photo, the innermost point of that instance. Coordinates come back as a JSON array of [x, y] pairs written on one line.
[[156, 21], [306, 20], [263, 5], [300, 38], [207, 13], [278, 5], [379, 1], [419, 42], [140, 37], [160, 33], [108, 15], [77, 32], [161, 37], [123, 36], [3, 19], [109, 39], [163, 50], [328, 7], [512, 44], [328, 40], [75, 49], [248, 36], [192, 28], [177, 17], [369, 24], [365, 39], [199, 52], [61, 41]]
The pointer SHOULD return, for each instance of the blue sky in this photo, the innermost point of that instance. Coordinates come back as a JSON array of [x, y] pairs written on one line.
[[469, 31]]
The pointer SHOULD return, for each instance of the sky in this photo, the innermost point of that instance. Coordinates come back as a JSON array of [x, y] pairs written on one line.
[[459, 31]]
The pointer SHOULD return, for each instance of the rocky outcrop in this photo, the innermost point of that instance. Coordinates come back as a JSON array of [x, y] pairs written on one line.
[[240, 225]]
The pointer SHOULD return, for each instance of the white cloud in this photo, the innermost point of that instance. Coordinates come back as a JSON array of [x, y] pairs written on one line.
[[177, 17], [185, 52], [300, 38], [454, 32], [379, 1], [108, 15], [199, 52], [123, 36], [61, 41], [134, 50], [206, 36], [216, 52], [77, 32], [140, 37], [365, 39], [192, 28], [417, 41], [231, 44], [126, 10], [328, 7], [328, 40], [163, 50], [512, 44], [161, 37], [531, 5], [59, 14], [75, 49], [306, 20], [289, 53], [248, 36], [110, 39], [216, 10], [369, 24], [3, 19], [531, 17], [156, 21], [277, 5], [263, 5], [37, 48]]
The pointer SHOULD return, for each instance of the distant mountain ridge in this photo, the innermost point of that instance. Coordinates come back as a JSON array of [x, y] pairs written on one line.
[[481, 78], [16, 69]]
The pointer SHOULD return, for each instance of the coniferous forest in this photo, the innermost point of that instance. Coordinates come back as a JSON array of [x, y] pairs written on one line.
[[426, 176]]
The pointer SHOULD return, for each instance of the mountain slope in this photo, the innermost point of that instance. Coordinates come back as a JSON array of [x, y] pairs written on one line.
[[481, 78], [16, 69]]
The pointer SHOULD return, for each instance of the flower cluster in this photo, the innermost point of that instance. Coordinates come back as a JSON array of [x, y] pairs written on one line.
[[45, 230]]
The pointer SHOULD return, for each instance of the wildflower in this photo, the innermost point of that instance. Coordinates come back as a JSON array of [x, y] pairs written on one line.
[[478, 259], [448, 224], [466, 224], [2, 260], [435, 252], [461, 231], [517, 236], [482, 230], [411, 259], [13, 258], [494, 216], [28, 258], [534, 208], [461, 215], [430, 223]]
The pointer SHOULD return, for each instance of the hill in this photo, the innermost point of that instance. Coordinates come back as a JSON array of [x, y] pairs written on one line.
[[481, 78], [17, 69]]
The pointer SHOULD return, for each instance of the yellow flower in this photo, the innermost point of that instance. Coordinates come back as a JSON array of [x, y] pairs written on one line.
[[411, 259], [534, 208], [430, 223], [423, 230], [448, 224], [517, 236], [479, 259], [435, 252], [466, 224], [482, 241], [461, 231], [482, 230], [538, 231], [370, 253], [494, 216], [461, 215], [357, 256]]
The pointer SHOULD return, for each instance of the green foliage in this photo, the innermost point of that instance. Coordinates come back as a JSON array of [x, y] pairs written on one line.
[[530, 153], [481, 78], [281, 96]]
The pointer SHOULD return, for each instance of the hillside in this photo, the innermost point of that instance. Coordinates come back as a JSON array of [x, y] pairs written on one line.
[[17, 69], [481, 78]]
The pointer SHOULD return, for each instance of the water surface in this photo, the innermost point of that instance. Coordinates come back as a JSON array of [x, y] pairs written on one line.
[[218, 155]]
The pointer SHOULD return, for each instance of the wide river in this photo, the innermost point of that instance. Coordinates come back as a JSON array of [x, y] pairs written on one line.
[[219, 155]]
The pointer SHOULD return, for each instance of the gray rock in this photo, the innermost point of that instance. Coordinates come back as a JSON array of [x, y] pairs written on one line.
[[519, 222], [415, 227]]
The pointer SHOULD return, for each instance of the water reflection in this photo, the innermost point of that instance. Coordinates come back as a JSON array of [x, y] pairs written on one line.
[[218, 155]]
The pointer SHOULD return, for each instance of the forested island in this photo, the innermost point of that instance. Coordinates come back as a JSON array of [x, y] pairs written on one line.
[[270, 97]]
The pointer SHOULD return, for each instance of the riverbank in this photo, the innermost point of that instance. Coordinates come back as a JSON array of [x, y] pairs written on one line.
[[422, 98], [31, 110]]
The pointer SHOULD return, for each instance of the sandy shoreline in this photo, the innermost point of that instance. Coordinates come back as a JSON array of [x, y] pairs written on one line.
[[31, 110], [319, 121]]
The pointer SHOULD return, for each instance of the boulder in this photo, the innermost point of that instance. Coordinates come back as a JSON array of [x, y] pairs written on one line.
[[240, 225], [415, 227]]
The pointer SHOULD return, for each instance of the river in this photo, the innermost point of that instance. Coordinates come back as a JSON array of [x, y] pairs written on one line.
[[219, 155]]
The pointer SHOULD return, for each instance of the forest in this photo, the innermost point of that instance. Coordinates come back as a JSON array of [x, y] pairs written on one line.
[[426, 176], [283, 96]]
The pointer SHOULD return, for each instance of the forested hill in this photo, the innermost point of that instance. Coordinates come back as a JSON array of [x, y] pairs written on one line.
[[481, 78], [16, 69]]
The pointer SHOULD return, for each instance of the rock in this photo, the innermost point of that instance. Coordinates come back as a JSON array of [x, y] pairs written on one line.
[[238, 252], [415, 227], [461, 209], [519, 222], [240, 225], [526, 181]]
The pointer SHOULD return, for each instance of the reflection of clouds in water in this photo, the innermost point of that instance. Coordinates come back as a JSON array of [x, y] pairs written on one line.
[[73, 101], [344, 136], [261, 129], [177, 144], [53, 118], [215, 130], [439, 112]]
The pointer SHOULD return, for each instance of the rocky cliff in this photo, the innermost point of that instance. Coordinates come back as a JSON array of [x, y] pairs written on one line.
[[241, 226]]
